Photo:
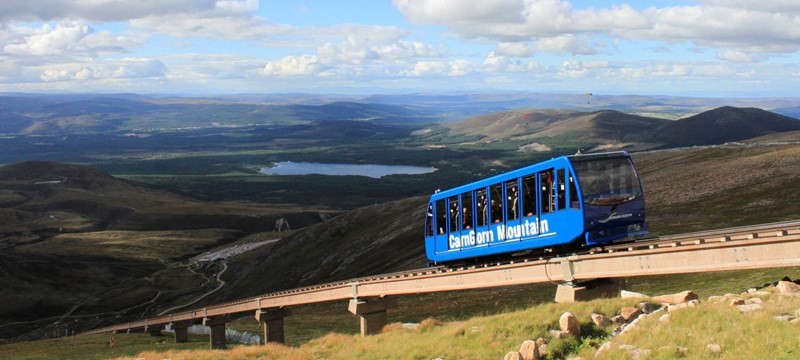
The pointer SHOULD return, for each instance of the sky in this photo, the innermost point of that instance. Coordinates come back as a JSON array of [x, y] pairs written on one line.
[[714, 48]]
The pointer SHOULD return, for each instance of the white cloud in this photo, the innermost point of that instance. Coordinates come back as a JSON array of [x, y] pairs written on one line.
[[64, 40], [292, 66], [735, 56], [49, 41], [460, 67], [424, 68], [105, 69], [100, 10], [565, 44], [771, 26], [516, 49]]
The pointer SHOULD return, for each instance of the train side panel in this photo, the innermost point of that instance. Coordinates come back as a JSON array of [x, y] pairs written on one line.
[[534, 207]]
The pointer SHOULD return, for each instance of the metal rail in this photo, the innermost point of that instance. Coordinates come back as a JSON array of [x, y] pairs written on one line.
[[752, 247]]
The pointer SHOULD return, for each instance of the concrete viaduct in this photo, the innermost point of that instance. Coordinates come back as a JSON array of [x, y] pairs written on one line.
[[581, 277]]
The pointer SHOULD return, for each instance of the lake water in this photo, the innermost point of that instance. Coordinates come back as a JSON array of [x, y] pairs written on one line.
[[374, 171]]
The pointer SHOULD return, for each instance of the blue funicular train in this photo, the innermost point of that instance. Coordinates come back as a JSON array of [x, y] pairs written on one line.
[[590, 199]]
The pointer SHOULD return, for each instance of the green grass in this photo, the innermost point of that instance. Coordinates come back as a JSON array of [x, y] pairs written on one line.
[[491, 336]]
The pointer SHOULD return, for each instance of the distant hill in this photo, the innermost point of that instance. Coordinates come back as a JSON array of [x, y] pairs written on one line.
[[723, 125], [608, 129], [59, 115]]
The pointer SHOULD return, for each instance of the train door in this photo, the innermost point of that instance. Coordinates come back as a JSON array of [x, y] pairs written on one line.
[[496, 202], [440, 226], [482, 215], [512, 210], [530, 203], [548, 201]]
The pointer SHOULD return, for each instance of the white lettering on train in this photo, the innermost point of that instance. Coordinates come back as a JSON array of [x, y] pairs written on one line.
[[504, 233]]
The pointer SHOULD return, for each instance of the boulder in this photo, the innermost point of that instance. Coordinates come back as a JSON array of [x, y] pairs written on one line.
[[784, 317], [601, 320], [678, 298], [749, 308], [603, 348], [737, 301], [787, 287], [714, 348], [753, 301], [632, 295], [569, 324], [628, 313], [691, 303], [664, 319], [647, 307], [528, 350], [513, 355], [715, 298]]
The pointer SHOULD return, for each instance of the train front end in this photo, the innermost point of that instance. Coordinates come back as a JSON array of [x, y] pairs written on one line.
[[612, 197]]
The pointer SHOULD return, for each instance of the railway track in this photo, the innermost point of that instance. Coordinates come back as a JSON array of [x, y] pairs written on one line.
[[748, 247]]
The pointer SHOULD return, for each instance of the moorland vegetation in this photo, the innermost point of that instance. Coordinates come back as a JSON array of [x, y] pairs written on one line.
[[82, 248]]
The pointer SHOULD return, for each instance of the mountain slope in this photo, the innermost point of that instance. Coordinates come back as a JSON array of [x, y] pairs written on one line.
[[612, 129], [388, 237], [723, 125]]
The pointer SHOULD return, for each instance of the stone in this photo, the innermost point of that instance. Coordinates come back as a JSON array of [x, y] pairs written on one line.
[[762, 293], [541, 341], [528, 350], [787, 287], [601, 320], [569, 323], [543, 350], [603, 348], [678, 298], [558, 334], [744, 309], [735, 302], [714, 348], [513, 355], [626, 347], [628, 313], [647, 307], [786, 318], [632, 295], [715, 298], [617, 319], [753, 301]]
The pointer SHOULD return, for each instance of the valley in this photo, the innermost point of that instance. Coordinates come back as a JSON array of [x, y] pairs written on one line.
[[114, 224]]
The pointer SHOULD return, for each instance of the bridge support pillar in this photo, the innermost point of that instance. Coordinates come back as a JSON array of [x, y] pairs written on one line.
[[589, 290], [181, 329], [372, 312], [271, 323], [217, 334], [154, 330]]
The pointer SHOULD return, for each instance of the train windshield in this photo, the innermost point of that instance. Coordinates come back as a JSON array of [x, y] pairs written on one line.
[[607, 181]]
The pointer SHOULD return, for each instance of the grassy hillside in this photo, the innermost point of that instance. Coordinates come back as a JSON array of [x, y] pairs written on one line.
[[80, 244], [685, 190]]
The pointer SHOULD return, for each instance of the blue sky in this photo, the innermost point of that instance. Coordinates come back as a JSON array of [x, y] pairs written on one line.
[[710, 48]]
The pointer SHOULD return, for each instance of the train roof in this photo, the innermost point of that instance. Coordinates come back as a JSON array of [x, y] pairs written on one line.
[[527, 169]]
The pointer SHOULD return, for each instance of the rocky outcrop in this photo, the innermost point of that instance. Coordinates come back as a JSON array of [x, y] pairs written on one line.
[[662, 307]]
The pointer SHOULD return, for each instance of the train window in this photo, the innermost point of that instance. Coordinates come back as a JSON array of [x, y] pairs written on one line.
[[573, 193], [453, 201], [512, 200], [441, 217], [429, 221], [496, 203], [529, 195], [482, 217], [466, 211], [548, 191], [562, 190]]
